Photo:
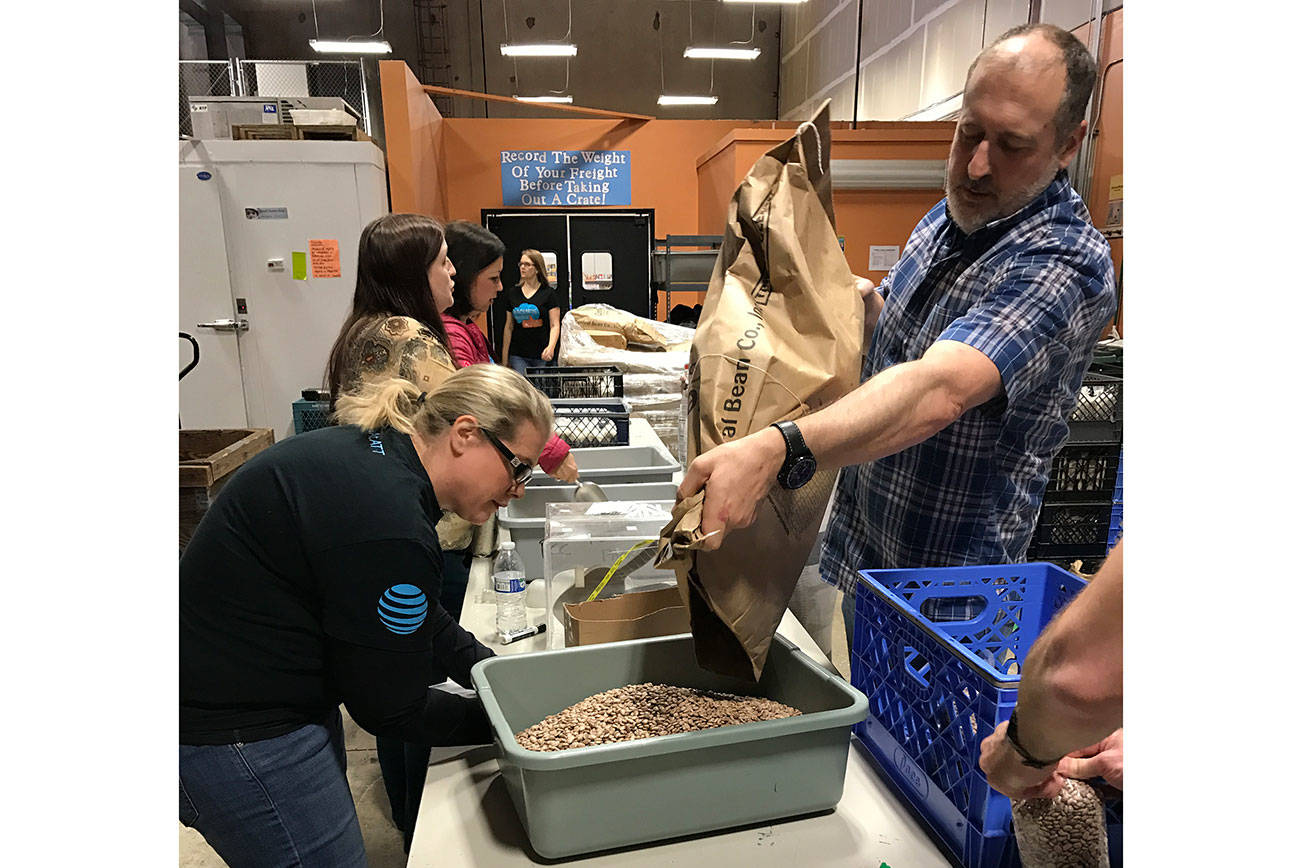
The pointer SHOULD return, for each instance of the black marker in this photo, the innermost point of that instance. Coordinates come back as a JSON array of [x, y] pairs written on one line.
[[525, 633]]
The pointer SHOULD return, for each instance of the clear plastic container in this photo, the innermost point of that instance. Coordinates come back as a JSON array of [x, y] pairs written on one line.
[[582, 541], [508, 589]]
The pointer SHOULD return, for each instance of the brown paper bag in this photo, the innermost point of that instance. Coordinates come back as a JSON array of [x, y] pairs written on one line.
[[780, 335]]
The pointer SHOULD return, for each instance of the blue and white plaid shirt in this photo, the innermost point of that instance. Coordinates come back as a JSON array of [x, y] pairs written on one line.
[[1033, 292]]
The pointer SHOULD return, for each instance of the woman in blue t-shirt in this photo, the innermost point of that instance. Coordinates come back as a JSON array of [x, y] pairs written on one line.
[[533, 322]]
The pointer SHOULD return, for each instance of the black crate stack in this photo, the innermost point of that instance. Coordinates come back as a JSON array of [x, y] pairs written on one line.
[[1076, 518]]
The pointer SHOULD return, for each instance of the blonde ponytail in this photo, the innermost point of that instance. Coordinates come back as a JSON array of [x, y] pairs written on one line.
[[393, 403], [498, 397]]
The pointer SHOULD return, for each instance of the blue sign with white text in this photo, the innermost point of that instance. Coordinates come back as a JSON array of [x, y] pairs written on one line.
[[551, 179]]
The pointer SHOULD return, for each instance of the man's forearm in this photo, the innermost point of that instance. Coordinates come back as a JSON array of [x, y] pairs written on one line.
[[1070, 692], [897, 408], [903, 405], [872, 309]]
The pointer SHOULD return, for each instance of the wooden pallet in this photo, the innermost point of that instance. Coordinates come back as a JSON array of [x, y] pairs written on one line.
[[206, 455], [208, 458], [331, 132], [263, 132], [298, 132]]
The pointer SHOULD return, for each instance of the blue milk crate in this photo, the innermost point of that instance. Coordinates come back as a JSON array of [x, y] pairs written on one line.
[[310, 415], [1114, 528], [937, 688]]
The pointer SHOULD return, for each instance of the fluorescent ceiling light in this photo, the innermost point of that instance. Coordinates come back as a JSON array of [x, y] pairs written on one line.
[[343, 46], [539, 50], [544, 98], [665, 99], [721, 53], [786, 2], [887, 174]]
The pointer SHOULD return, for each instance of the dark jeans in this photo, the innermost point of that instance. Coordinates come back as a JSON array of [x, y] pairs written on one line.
[[519, 363], [278, 802], [403, 764]]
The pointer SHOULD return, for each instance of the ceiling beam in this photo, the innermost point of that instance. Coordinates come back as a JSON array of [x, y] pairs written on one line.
[[492, 97]]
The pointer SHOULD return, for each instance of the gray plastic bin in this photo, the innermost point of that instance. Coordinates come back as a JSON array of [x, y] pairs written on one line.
[[526, 518], [596, 798], [603, 464]]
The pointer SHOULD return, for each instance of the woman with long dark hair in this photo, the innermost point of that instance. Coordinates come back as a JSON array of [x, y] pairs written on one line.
[[404, 283], [477, 254]]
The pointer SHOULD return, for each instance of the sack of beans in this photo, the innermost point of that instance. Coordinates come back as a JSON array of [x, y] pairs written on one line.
[[779, 337], [1068, 831]]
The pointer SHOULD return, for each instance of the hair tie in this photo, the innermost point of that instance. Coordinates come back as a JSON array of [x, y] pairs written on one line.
[[421, 400]]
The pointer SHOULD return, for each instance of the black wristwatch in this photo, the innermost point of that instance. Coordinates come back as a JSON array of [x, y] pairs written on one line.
[[1027, 760], [799, 466]]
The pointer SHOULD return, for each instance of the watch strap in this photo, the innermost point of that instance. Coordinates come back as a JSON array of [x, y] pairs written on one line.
[[1011, 735], [794, 440]]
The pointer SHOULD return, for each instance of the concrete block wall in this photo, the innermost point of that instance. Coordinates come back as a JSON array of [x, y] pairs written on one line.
[[913, 55]]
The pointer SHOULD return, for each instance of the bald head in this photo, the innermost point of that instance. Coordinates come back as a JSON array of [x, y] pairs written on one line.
[[1058, 62]]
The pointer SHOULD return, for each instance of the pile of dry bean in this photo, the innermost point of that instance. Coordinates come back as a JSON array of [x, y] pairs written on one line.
[[1067, 831], [644, 711]]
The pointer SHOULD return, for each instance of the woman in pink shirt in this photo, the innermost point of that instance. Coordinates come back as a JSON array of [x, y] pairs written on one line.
[[477, 255]]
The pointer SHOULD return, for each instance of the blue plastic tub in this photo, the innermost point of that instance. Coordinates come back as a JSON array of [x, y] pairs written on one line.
[[310, 415], [937, 688]]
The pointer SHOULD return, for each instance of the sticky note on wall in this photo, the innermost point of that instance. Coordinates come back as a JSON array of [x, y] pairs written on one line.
[[299, 264], [324, 253]]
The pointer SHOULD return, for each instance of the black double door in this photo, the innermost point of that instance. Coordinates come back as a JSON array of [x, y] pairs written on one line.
[[602, 257]]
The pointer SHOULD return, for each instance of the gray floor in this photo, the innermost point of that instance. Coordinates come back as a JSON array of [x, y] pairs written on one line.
[[383, 842]]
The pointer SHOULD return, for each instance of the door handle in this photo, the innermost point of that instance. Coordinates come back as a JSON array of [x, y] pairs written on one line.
[[226, 325]]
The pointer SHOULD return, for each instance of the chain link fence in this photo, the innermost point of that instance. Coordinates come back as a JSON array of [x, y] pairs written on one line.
[[274, 78], [204, 78]]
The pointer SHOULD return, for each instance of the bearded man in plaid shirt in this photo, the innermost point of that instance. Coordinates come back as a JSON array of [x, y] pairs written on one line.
[[977, 342]]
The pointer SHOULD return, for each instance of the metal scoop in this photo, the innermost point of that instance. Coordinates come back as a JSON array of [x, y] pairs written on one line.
[[589, 492]]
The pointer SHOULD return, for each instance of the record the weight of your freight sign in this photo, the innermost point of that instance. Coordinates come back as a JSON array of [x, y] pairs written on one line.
[[552, 179]]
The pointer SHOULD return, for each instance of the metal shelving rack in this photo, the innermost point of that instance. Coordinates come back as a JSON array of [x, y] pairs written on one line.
[[680, 265]]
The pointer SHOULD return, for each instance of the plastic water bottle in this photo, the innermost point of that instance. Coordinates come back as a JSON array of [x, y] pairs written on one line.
[[508, 588]]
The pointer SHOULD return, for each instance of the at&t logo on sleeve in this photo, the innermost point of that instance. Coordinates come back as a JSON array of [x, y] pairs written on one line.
[[403, 609]]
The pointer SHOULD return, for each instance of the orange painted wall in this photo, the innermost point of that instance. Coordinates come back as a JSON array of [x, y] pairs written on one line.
[[1107, 141], [413, 143], [863, 217]]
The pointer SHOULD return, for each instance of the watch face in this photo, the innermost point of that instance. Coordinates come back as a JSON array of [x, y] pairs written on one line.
[[801, 472]]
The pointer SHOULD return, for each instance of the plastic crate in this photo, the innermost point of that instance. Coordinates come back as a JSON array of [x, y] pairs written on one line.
[[592, 422], [310, 415], [633, 792], [1083, 472], [937, 690], [578, 381], [1096, 417], [1071, 530], [1114, 526]]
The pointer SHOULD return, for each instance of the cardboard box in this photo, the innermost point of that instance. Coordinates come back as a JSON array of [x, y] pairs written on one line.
[[639, 615]]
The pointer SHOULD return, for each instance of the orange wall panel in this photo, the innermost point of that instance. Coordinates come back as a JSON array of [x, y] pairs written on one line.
[[1108, 135], [412, 136], [863, 217]]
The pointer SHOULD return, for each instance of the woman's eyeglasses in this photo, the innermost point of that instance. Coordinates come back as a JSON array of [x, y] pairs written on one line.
[[521, 471]]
